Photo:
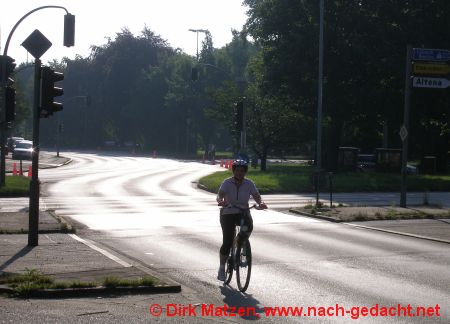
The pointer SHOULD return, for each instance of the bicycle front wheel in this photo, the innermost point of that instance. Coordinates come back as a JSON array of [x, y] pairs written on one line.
[[244, 265], [229, 269]]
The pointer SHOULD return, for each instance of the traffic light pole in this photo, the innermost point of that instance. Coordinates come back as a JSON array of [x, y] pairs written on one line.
[[33, 228], [3, 125]]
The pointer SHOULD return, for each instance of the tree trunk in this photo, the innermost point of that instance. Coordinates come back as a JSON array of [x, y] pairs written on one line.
[[332, 147], [264, 160]]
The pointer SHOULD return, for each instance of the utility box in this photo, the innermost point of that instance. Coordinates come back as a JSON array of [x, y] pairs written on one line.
[[348, 158], [428, 165]]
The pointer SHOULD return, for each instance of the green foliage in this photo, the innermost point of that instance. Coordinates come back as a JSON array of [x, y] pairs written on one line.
[[365, 46], [142, 91], [112, 282]]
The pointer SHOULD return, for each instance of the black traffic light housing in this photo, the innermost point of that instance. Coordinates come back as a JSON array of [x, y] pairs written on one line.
[[10, 102], [49, 91], [239, 116], [8, 63], [69, 30]]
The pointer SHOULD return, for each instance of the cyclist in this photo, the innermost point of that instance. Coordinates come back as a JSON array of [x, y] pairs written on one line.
[[235, 191]]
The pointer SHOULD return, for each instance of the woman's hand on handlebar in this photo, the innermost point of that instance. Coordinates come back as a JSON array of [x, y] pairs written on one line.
[[221, 203], [263, 205]]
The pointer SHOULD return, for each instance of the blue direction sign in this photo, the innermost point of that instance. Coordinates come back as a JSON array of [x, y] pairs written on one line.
[[428, 54], [421, 82]]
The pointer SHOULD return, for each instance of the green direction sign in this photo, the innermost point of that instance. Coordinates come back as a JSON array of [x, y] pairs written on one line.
[[431, 69]]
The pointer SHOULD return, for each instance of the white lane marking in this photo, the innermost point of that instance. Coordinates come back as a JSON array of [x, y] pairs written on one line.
[[105, 253], [48, 237]]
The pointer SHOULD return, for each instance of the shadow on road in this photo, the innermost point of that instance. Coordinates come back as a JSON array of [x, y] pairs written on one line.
[[237, 299]]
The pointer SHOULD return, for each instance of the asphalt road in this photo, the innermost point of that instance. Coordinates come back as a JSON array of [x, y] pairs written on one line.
[[150, 210]]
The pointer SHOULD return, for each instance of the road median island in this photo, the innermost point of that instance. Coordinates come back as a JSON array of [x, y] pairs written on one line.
[[430, 223], [360, 214], [294, 178]]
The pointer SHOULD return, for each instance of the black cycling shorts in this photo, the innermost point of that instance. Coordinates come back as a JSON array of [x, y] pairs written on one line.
[[228, 223]]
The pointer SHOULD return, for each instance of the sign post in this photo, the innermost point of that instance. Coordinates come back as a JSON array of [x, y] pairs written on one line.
[[429, 69], [405, 128]]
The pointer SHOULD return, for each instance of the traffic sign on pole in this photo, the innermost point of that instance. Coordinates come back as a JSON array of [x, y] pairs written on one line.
[[433, 55], [403, 133], [439, 83]]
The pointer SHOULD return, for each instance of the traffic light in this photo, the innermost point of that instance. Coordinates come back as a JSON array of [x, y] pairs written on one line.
[[239, 116], [48, 92], [8, 63], [10, 102], [69, 30]]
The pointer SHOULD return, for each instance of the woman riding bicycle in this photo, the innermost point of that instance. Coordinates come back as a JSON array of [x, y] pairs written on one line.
[[235, 191]]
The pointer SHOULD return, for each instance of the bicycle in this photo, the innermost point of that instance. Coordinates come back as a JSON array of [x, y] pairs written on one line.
[[240, 258]]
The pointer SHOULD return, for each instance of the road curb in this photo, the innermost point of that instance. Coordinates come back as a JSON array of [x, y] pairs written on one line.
[[327, 218], [399, 233], [336, 220], [44, 166], [94, 291]]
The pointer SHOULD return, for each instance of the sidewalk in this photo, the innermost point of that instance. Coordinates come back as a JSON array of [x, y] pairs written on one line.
[[68, 258]]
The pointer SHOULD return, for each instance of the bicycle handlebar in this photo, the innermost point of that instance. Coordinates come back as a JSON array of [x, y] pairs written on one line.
[[256, 206]]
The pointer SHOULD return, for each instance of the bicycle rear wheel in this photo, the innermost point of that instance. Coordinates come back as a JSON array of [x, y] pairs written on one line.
[[244, 265]]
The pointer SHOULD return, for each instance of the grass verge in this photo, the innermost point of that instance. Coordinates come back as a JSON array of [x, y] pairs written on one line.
[[32, 280], [299, 178], [16, 186]]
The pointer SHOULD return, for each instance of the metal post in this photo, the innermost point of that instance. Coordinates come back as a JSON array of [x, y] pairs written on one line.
[[33, 228], [331, 188], [58, 134], [320, 99], [3, 124], [407, 108]]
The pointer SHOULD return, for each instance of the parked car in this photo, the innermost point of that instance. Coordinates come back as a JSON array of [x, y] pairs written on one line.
[[366, 162], [11, 142], [411, 169], [23, 150]]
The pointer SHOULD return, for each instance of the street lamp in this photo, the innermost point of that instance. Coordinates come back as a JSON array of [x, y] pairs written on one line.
[[199, 31]]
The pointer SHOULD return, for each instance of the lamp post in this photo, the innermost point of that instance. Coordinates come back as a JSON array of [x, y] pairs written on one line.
[[188, 119], [199, 31]]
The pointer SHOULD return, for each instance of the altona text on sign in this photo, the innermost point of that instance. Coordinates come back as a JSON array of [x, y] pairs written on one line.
[[420, 82]]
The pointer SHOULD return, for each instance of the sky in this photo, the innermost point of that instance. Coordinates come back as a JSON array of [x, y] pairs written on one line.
[[98, 19]]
